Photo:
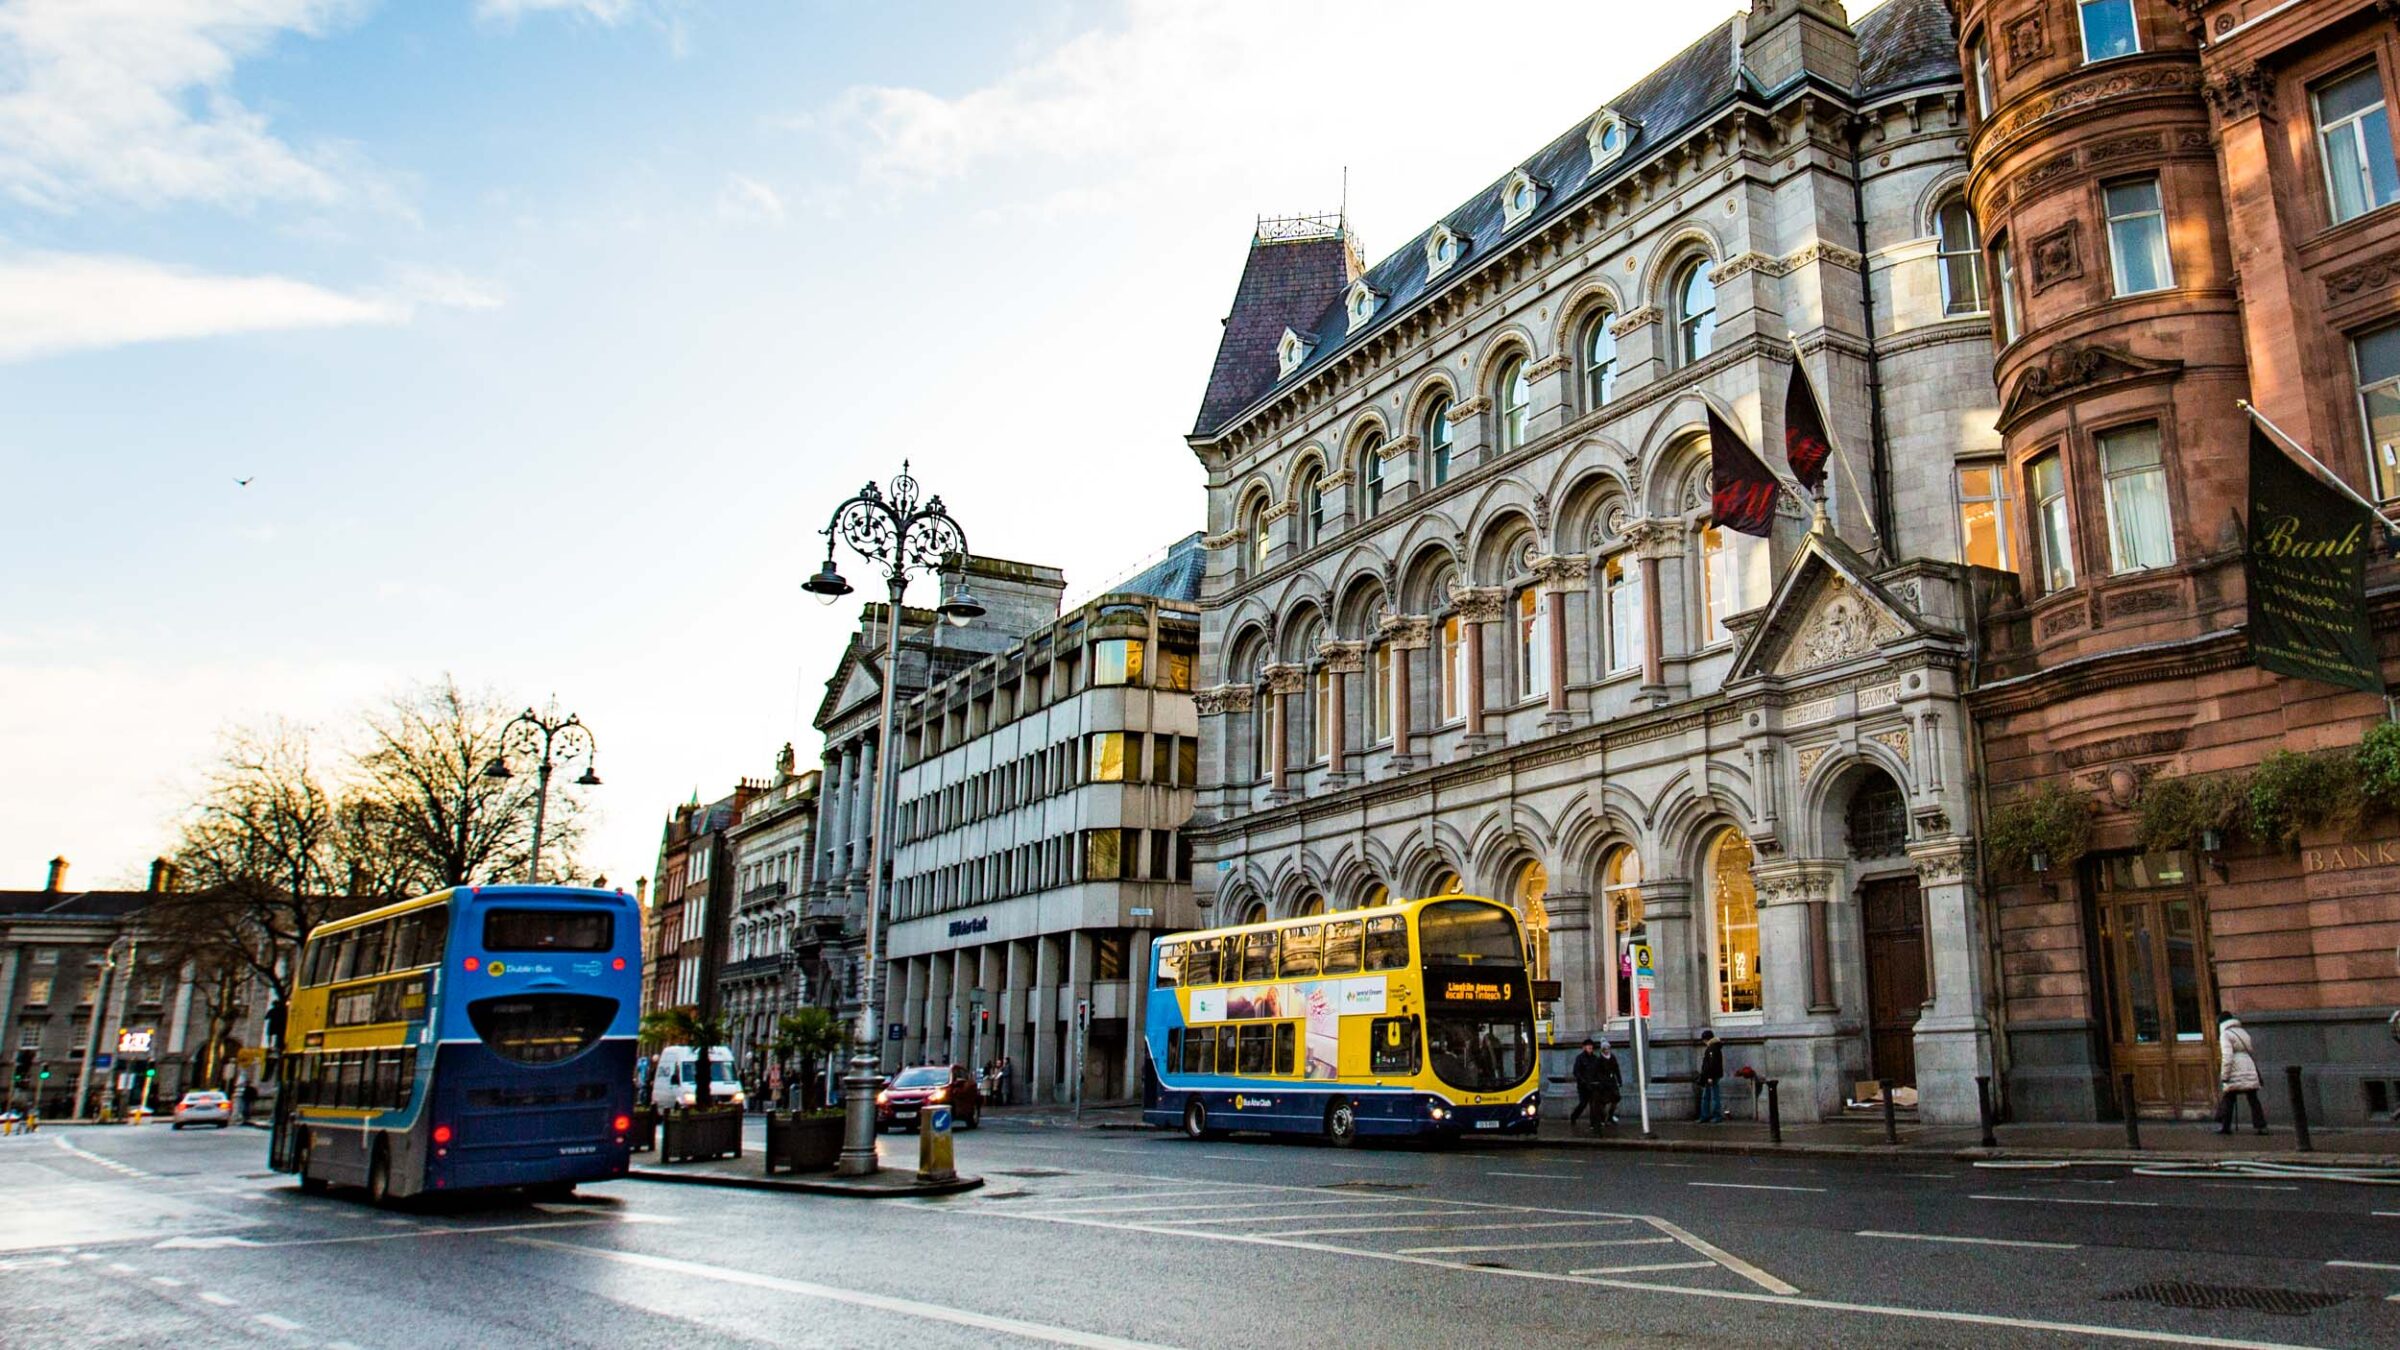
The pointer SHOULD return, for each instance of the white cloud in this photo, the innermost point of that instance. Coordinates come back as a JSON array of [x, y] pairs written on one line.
[[611, 12], [62, 302], [128, 100], [745, 200]]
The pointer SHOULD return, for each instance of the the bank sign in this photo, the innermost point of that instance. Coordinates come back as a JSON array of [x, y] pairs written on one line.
[[970, 927]]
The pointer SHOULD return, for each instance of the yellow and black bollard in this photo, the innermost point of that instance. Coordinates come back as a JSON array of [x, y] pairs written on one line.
[[933, 1145]]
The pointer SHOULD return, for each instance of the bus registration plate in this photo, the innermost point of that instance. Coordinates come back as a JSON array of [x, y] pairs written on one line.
[[1487, 1124]]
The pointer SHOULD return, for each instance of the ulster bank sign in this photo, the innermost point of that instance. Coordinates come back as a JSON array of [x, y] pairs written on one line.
[[970, 927]]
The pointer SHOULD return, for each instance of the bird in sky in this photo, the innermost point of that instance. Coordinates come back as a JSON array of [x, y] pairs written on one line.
[[243, 482]]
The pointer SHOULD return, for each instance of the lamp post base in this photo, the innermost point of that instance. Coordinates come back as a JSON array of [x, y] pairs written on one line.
[[858, 1116]]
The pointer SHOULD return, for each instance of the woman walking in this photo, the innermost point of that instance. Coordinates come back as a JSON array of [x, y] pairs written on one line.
[[2237, 1074]]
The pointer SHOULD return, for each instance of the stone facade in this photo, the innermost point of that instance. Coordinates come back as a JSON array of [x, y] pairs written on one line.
[[1467, 622], [765, 977]]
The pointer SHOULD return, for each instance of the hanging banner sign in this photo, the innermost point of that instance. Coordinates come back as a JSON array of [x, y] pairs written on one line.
[[2307, 569]]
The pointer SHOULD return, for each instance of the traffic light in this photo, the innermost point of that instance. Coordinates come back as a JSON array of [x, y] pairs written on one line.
[[983, 1021], [24, 1067], [45, 1073]]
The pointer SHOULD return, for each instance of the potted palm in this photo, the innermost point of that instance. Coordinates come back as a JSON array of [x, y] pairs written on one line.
[[810, 1139], [703, 1129]]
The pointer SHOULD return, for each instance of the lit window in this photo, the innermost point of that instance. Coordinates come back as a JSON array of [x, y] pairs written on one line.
[[1621, 588], [1380, 694], [2135, 473], [1321, 730], [1733, 897], [1621, 888], [1370, 465], [1516, 401], [1312, 494], [1445, 882], [1437, 443], [2004, 294], [1260, 544], [1108, 757], [1980, 56], [1533, 886], [1175, 669], [2377, 357], [1962, 259], [1695, 312], [1454, 669], [1117, 661], [2053, 534], [1599, 361], [1720, 590], [1533, 644], [2356, 133], [1983, 515], [2108, 29], [2137, 237], [1265, 722]]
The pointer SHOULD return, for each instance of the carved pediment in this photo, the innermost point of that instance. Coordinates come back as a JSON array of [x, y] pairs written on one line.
[[1842, 623], [2069, 369], [1827, 612]]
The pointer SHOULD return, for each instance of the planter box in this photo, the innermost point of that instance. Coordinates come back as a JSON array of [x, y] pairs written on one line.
[[802, 1143], [692, 1136], [644, 1135]]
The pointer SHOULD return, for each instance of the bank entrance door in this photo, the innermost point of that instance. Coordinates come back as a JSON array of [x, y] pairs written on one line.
[[2154, 959], [1895, 931]]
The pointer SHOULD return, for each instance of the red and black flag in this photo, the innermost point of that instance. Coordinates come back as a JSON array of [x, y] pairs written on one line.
[[1805, 444], [1742, 487]]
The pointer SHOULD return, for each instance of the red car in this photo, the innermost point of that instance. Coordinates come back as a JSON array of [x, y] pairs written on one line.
[[908, 1094]]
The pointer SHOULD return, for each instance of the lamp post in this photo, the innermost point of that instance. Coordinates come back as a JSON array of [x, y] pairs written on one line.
[[530, 733], [888, 527]]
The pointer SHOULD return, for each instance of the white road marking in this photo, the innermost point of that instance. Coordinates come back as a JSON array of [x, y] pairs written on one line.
[[122, 1269], [1231, 1204], [1753, 1186], [2243, 1186], [211, 1296], [168, 1281], [1443, 1227], [1362, 1166], [87, 1256], [1662, 1265], [432, 1232], [34, 1263], [1548, 1246], [2363, 1265], [1312, 1218], [1535, 1176], [2065, 1200], [2386, 1213], [279, 1323], [932, 1312], [342, 1345], [1977, 1241], [1722, 1257]]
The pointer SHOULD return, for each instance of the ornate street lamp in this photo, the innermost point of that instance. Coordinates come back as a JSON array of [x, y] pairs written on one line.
[[530, 734], [888, 527]]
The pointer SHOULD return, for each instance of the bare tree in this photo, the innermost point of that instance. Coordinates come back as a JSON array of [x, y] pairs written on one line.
[[444, 822]]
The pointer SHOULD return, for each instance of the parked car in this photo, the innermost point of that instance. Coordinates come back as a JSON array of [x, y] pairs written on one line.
[[675, 1081], [907, 1095], [204, 1108]]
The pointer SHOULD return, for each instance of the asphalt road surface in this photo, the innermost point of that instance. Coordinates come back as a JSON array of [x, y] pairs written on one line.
[[145, 1237]]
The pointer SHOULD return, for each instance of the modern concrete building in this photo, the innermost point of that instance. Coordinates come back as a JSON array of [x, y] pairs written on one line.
[[1468, 622], [1043, 793], [764, 977]]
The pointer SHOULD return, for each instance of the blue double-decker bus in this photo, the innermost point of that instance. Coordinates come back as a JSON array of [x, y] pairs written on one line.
[[473, 1039]]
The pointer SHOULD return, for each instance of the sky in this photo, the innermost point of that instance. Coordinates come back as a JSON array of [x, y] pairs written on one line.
[[548, 333]]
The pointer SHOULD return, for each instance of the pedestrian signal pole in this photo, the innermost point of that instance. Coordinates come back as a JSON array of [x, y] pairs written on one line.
[[1645, 979], [1083, 1022]]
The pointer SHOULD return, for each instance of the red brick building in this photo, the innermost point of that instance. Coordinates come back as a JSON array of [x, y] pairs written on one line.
[[2184, 203]]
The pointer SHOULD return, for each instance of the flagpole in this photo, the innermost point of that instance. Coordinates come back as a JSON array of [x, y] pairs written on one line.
[[2329, 475], [1866, 512]]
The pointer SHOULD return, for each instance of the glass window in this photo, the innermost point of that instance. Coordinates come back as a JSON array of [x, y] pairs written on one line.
[[1734, 900], [1287, 1044], [2053, 534], [548, 930], [1516, 404], [1370, 467], [37, 990], [1720, 589], [2137, 237], [1379, 695], [1170, 965], [1187, 761], [1261, 545], [1983, 515], [1387, 943], [2004, 292], [1470, 933], [1695, 312], [1533, 644], [1376, 894], [1445, 883], [1321, 730], [541, 1028], [1599, 361], [1621, 884], [1108, 757], [2139, 536], [1454, 669], [1532, 888], [1258, 955], [1117, 661], [2108, 29], [1103, 858], [1392, 1045], [1342, 951], [1264, 709], [1303, 952], [1174, 669], [1229, 1040], [1312, 495], [2377, 357], [1979, 56], [2355, 132], [1437, 443], [1628, 628], [1962, 259]]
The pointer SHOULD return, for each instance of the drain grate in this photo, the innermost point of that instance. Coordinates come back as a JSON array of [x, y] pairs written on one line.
[[1372, 1186], [1034, 1172], [2231, 1298]]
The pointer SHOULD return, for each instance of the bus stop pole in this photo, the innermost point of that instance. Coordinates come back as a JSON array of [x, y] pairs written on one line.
[[1641, 1069]]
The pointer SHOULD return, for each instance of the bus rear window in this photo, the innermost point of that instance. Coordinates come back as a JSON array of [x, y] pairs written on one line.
[[541, 1028], [548, 930], [1468, 933]]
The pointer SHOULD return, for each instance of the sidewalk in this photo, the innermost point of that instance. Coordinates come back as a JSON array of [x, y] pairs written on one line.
[[897, 1180]]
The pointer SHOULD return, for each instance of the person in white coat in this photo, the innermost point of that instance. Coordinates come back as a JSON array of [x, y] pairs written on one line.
[[2237, 1075]]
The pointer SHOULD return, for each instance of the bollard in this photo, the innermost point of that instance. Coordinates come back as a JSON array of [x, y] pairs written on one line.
[[1891, 1112], [1774, 1111], [1983, 1109], [933, 1145], [2133, 1117], [2291, 1076]]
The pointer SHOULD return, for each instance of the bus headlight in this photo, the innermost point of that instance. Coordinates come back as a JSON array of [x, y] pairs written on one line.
[[1438, 1112]]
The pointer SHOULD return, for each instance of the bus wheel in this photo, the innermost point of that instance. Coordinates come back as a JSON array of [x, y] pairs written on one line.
[[1195, 1121], [308, 1185], [379, 1177], [1341, 1123]]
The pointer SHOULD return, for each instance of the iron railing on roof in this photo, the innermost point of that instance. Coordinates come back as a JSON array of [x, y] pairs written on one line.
[[1287, 229]]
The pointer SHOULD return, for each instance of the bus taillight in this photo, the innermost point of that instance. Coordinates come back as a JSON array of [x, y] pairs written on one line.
[[471, 963], [623, 1123], [619, 964], [441, 1134]]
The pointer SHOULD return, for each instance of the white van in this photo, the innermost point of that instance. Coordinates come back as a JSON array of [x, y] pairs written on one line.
[[673, 1082]]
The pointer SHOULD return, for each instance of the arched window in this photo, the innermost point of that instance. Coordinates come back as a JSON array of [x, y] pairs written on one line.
[[1445, 882], [1380, 693], [1454, 656], [1437, 443], [1733, 932], [1256, 912], [1533, 644], [1312, 500], [1877, 821], [1370, 473], [1310, 905], [1962, 258], [1621, 892], [1514, 394], [1599, 361], [1376, 894], [1626, 622], [1255, 522], [1263, 719], [1720, 585], [1695, 312], [1531, 888]]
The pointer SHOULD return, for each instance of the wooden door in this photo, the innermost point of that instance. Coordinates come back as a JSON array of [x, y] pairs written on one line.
[[2155, 948], [1895, 932]]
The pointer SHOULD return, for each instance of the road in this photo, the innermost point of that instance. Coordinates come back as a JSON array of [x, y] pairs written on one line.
[[145, 1237]]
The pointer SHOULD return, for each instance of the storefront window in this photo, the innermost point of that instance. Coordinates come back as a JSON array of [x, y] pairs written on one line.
[[1733, 900], [1117, 661], [1621, 883], [1533, 884]]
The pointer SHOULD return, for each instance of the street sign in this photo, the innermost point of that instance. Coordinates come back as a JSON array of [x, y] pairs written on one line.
[[1141, 913], [976, 998], [1645, 979], [103, 1061], [895, 1032]]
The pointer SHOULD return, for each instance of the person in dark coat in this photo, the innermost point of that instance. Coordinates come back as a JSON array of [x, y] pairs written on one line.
[[1611, 1089], [1712, 1075], [1587, 1086]]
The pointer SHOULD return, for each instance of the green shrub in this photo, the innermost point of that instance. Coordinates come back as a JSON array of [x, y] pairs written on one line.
[[2050, 819], [2379, 766], [2293, 790], [2177, 810]]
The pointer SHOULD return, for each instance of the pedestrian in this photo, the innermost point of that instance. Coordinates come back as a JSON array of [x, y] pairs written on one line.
[[2237, 1075], [1000, 1081], [1612, 1084], [1587, 1086], [1712, 1075]]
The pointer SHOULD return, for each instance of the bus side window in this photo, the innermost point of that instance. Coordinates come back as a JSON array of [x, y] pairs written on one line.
[[1200, 1050], [1257, 1044], [1341, 947], [1303, 951], [1229, 1042], [1174, 1048], [372, 940], [1393, 1043], [1170, 965], [1287, 1040], [318, 962], [388, 1093], [1387, 943], [407, 941], [1258, 956]]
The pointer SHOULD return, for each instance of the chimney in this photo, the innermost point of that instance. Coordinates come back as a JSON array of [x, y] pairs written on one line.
[[641, 891], [58, 876], [1780, 40]]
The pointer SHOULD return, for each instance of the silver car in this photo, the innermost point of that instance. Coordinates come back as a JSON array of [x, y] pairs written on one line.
[[204, 1108]]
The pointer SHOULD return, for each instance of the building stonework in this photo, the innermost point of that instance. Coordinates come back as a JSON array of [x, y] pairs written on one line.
[[769, 973], [1467, 622]]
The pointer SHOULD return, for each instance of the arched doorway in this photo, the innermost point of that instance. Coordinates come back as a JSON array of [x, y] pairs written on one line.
[[1621, 890], [1531, 886], [1733, 925], [1892, 921]]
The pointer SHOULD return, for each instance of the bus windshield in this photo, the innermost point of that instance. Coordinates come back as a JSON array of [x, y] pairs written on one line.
[[548, 930], [1481, 1049], [1468, 933]]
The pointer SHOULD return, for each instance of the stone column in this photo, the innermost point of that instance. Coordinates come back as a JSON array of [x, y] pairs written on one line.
[[1285, 682], [893, 989], [1561, 576], [1804, 1049], [1137, 1010], [1045, 1014], [1954, 1037], [1576, 963], [917, 1042], [1408, 634], [1221, 709], [1654, 541], [870, 801], [1343, 661], [1079, 987], [1478, 607], [1016, 1017]]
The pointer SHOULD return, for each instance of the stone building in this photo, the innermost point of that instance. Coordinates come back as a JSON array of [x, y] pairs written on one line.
[[1043, 795], [2186, 203], [1467, 622], [764, 977], [691, 910]]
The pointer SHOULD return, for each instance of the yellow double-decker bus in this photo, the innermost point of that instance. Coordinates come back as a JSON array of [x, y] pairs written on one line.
[[1406, 1019]]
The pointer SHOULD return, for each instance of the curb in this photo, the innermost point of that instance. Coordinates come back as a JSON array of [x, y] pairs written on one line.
[[2129, 1157], [844, 1189]]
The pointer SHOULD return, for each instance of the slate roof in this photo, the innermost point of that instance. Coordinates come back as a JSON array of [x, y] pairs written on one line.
[[1173, 577], [1285, 284], [72, 904], [1901, 43]]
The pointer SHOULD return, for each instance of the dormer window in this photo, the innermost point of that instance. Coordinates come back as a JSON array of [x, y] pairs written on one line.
[[1291, 353], [1519, 196], [1443, 248], [1361, 304], [1608, 136]]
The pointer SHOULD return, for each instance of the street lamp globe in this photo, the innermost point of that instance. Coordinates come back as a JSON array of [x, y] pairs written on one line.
[[960, 606], [589, 779], [498, 768], [827, 585]]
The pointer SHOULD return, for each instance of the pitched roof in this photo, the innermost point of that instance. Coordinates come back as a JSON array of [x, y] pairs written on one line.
[[72, 904], [1285, 284], [1904, 43], [1175, 576]]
